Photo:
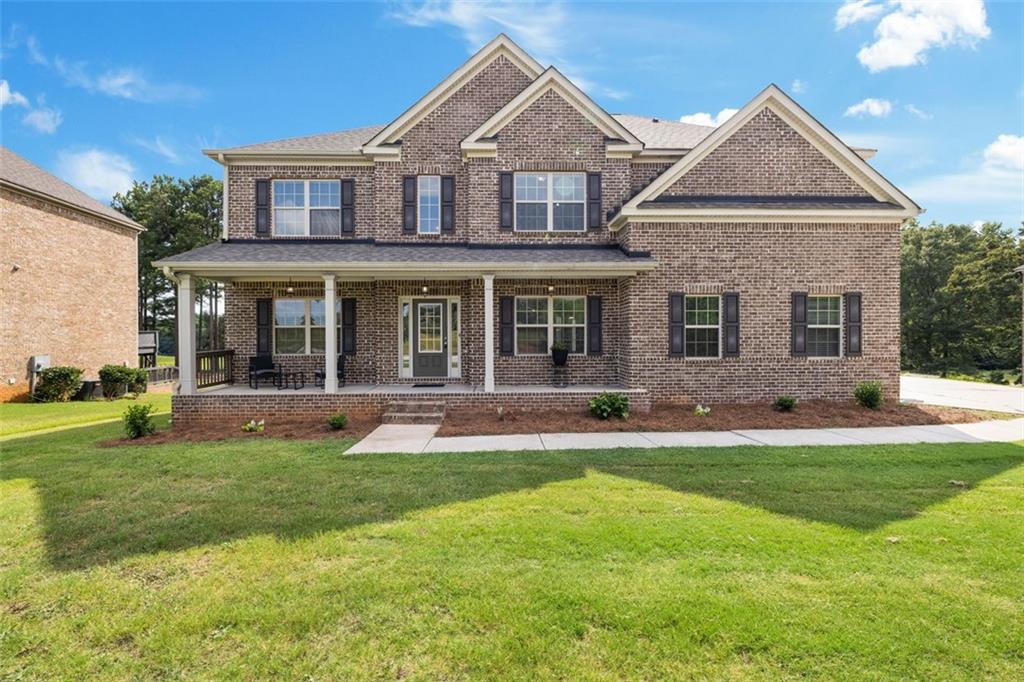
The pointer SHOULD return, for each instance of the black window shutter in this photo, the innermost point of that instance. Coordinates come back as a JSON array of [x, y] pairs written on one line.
[[593, 201], [348, 326], [677, 324], [262, 208], [264, 320], [409, 204], [731, 325], [799, 323], [348, 206], [505, 200], [854, 315], [448, 203], [594, 331], [507, 325]]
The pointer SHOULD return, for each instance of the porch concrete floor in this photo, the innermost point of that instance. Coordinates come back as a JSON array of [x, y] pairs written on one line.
[[408, 389]]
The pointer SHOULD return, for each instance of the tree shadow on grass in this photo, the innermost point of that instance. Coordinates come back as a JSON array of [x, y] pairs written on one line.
[[102, 505]]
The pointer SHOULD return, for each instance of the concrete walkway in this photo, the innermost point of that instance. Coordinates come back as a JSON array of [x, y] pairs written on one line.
[[413, 439], [917, 388]]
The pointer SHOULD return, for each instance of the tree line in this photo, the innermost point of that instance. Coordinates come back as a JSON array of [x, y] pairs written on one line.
[[960, 299]]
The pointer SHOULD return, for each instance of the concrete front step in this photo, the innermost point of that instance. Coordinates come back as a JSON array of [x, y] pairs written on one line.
[[414, 412]]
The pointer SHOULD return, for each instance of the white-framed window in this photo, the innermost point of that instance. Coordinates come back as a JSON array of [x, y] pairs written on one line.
[[299, 326], [307, 208], [543, 321], [703, 326], [550, 202], [428, 204], [824, 326]]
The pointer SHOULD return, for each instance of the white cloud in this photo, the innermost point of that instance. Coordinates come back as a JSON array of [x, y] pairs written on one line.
[[911, 109], [878, 108], [160, 147], [124, 82], [853, 11], [910, 28], [44, 119], [541, 28], [11, 98], [997, 178], [798, 87], [702, 118], [99, 173]]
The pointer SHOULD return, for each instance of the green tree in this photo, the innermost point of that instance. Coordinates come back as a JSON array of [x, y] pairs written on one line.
[[960, 298], [179, 214]]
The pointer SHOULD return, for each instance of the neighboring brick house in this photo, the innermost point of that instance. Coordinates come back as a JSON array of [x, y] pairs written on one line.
[[68, 276], [506, 211]]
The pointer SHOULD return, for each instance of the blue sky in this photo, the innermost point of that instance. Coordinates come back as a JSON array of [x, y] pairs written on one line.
[[101, 94]]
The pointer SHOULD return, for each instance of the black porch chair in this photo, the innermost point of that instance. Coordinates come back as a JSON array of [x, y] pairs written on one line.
[[263, 367], [320, 375]]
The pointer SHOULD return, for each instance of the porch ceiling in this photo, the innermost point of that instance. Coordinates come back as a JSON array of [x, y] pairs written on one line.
[[353, 259]]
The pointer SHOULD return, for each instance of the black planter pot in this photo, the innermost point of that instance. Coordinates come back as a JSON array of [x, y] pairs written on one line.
[[560, 357]]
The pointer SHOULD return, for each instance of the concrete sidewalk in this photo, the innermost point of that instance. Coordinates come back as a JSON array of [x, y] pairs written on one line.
[[413, 439], [917, 388]]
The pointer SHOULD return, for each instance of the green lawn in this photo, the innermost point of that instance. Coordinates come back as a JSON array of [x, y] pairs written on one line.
[[266, 559], [26, 417], [165, 361]]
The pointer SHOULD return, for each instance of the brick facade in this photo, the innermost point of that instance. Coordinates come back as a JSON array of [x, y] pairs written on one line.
[[67, 289], [764, 262]]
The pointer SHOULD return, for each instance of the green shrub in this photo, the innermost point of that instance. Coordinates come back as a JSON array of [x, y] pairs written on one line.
[[58, 384], [785, 403], [868, 394], [609, 405], [117, 379], [137, 421], [338, 421]]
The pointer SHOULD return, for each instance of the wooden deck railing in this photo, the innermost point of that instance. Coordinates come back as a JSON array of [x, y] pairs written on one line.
[[213, 367], [156, 375]]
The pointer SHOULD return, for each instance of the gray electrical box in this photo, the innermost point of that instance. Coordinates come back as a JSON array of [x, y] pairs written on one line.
[[39, 362]]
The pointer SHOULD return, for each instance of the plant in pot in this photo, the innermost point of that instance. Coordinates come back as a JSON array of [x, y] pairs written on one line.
[[559, 354]]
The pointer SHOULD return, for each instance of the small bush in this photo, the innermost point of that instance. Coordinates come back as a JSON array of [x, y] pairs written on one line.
[[609, 405], [138, 421], [116, 379], [338, 421], [785, 403], [701, 411], [58, 384], [253, 426], [868, 394]]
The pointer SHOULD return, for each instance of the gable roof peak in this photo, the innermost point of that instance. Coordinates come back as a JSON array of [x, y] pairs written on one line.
[[499, 46]]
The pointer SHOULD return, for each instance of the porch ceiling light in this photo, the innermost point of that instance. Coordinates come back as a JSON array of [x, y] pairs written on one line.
[[425, 289], [550, 289], [289, 289]]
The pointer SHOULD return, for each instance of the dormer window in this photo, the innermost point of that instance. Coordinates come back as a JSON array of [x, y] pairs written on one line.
[[550, 202]]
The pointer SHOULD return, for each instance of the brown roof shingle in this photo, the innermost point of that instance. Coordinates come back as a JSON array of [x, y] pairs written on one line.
[[19, 172]]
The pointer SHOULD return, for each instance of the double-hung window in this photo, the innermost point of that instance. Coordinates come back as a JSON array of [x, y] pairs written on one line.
[[824, 326], [543, 321], [703, 319], [550, 202], [428, 210], [300, 326], [307, 208]]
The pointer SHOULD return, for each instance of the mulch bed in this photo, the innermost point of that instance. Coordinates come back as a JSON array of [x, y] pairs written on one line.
[[290, 429], [724, 417]]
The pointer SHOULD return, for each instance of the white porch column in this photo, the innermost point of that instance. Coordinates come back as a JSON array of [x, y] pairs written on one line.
[[330, 337], [186, 336], [489, 333]]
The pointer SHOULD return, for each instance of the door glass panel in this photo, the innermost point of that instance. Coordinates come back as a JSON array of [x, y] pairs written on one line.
[[454, 341], [430, 327]]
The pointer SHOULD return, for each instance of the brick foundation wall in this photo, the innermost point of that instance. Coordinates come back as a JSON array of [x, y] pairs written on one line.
[[765, 263], [73, 295], [232, 409]]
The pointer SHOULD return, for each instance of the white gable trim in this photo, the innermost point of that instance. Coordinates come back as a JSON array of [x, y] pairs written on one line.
[[502, 45], [809, 128], [479, 144]]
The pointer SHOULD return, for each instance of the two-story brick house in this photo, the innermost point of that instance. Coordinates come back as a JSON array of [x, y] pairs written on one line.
[[506, 212]]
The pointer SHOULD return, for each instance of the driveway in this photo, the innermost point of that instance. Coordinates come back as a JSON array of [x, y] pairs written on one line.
[[915, 388]]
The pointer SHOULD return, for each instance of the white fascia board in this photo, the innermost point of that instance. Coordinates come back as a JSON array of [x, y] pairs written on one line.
[[780, 103], [501, 45], [552, 79], [756, 215]]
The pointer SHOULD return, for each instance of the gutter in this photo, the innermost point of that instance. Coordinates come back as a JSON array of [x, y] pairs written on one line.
[[126, 222]]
